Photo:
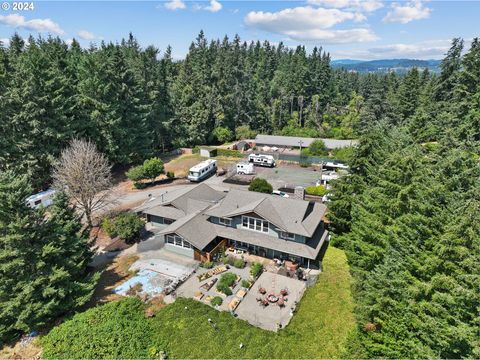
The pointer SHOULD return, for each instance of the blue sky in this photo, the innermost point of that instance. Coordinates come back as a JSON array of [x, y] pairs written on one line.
[[359, 29]]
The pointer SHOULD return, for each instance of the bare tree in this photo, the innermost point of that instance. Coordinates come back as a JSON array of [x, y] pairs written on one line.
[[84, 174]]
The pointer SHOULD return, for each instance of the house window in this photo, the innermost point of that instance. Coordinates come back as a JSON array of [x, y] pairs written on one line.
[[167, 221], [287, 235], [177, 241], [224, 221], [255, 224]]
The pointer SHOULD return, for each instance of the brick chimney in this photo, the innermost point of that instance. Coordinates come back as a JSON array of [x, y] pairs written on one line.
[[299, 192]]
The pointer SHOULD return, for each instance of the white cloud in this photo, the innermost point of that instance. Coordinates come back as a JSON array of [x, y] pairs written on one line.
[[413, 10], [87, 35], [431, 49], [357, 5], [357, 35], [5, 41], [311, 24], [175, 5], [214, 6], [40, 25]]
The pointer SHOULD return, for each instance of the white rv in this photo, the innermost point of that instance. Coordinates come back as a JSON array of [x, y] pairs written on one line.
[[333, 165], [245, 168], [44, 198], [262, 160], [326, 177], [202, 170]]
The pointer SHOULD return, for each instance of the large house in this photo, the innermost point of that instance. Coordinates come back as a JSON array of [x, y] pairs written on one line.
[[200, 222]]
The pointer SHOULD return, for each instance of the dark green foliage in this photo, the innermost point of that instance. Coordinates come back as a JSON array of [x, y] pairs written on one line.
[[170, 174], [244, 132], [222, 134], [216, 301], [126, 226], [239, 263], [136, 173], [405, 217], [260, 185], [229, 153], [246, 284], [256, 270], [207, 265], [317, 148], [43, 267], [112, 331], [226, 282], [152, 168]]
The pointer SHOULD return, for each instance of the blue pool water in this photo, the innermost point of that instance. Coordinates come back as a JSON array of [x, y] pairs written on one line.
[[152, 283]]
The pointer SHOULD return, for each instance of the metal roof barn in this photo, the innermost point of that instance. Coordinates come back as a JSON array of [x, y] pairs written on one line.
[[294, 141]]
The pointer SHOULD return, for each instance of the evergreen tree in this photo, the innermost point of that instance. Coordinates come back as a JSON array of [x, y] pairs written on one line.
[[43, 260]]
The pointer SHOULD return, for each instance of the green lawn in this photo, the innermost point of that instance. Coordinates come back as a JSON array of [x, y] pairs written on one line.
[[318, 330]]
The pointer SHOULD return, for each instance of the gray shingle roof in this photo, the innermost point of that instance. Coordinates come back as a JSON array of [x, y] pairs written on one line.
[[287, 214], [292, 141], [201, 202], [309, 250]]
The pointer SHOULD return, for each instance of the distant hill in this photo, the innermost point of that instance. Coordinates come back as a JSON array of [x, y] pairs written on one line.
[[386, 65]]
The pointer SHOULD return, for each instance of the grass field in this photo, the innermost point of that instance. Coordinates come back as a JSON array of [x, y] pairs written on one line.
[[319, 329], [181, 164]]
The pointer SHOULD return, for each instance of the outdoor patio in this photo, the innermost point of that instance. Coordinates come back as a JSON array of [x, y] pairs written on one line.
[[272, 316], [206, 289]]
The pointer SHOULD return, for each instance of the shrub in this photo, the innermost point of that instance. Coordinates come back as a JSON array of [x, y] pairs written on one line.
[[260, 185], [318, 190], [222, 134], [170, 174], [216, 301], [139, 185], [256, 270], [136, 173], [127, 226], [246, 284], [207, 265], [227, 260], [229, 153], [115, 330], [152, 168], [108, 227], [239, 263], [196, 150], [223, 288], [228, 278], [244, 132], [317, 148]]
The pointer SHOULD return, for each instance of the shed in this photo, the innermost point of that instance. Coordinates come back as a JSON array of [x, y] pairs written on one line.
[[242, 146], [208, 152]]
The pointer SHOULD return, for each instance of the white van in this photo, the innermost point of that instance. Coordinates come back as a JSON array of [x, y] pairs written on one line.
[[202, 170], [245, 168], [261, 160], [44, 198]]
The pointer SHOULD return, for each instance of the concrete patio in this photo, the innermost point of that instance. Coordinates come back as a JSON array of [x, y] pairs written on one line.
[[271, 316]]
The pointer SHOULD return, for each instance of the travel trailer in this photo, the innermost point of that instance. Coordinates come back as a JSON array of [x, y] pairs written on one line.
[[333, 165], [261, 160], [326, 177], [202, 170], [245, 168], [44, 198]]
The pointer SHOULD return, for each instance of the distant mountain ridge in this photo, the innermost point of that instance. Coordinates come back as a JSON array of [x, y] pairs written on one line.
[[386, 65]]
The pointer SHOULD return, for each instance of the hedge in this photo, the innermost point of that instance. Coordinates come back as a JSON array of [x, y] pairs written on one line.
[[116, 330], [318, 190], [229, 153]]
